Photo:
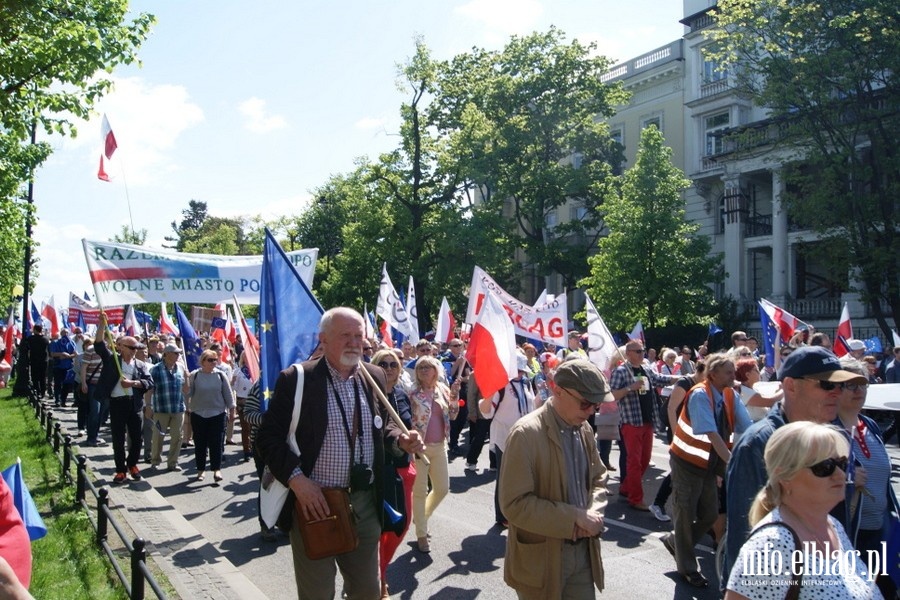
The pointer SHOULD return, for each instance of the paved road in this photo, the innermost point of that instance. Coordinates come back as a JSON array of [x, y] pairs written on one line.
[[467, 548], [466, 561]]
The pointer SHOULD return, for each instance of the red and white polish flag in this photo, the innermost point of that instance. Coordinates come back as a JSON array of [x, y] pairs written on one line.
[[109, 147], [446, 324], [844, 334], [492, 347]]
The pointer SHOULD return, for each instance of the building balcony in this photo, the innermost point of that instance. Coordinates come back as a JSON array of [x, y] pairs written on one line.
[[670, 53], [714, 88]]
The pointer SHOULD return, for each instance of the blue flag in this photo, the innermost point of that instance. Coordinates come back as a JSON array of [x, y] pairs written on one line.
[[23, 502], [218, 323], [768, 334], [192, 347], [873, 345], [289, 317], [714, 329]]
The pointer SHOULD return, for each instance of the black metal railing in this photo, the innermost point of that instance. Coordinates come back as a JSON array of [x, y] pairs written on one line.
[[104, 518]]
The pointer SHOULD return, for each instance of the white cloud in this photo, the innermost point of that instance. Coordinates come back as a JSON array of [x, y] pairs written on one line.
[[257, 119], [370, 123], [147, 121], [502, 18]]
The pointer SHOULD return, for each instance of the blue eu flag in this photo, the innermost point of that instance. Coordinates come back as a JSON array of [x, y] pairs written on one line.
[[289, 317], [192, 347]]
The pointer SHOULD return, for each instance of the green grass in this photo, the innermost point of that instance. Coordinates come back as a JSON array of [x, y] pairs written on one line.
[[67, 563]]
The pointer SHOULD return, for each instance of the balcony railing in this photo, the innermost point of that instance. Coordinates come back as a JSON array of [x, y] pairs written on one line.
[[713, 88], [757, 225], [665, 54]]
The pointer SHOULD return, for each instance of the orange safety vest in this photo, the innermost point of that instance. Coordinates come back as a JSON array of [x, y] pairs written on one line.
[[696, 448]]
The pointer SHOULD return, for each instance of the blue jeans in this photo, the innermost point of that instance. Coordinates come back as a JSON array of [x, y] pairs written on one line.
[[98, 411]]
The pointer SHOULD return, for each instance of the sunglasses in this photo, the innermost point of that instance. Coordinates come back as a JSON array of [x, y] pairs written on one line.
[[638, 350], [828, 386], [367, 348], [827, 466], [388, 365]]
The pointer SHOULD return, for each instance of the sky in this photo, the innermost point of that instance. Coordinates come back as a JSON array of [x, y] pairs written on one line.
[[248, 106]]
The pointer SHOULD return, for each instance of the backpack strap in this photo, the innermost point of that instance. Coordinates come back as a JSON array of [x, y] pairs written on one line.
[[793, 592]]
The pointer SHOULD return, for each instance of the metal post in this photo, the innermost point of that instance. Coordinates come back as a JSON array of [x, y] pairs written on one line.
[[80, 478], [57, 427], [49, 425], [67, 456], [102, 502], [138, 555]]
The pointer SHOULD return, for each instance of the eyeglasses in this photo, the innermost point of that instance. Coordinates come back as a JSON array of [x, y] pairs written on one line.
[[827, 466], [388, 365], [582, 403], [367, 348], [856, 387], [209, 360], [456, 345], [638, 350]]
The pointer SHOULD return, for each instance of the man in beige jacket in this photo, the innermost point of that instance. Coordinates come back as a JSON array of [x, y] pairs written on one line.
[[553, 491]]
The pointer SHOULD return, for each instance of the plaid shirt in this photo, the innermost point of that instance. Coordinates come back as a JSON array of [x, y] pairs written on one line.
[[167, 395], [630, 404], [332, 468]]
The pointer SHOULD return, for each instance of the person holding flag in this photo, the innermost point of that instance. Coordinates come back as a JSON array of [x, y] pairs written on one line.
[[124, 380], [340, 433]]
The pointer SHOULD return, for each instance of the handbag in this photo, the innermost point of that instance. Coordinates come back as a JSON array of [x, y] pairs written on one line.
[[336, 533], [272, 493], [607, 421]]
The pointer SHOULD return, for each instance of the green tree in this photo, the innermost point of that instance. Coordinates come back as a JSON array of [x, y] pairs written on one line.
[[53, 57], [199, 232], [827, 72], [652, 265], [127, 235], [528, 129]]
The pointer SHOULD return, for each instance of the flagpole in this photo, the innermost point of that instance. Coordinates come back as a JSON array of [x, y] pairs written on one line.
[[105, 332], [390, 409]]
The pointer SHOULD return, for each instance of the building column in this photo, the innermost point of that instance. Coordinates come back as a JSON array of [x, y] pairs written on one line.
[[780, 250], [733, 242]]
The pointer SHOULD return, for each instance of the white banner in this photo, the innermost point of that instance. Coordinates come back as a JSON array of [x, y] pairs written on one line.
[[127, 274], [546, 322]]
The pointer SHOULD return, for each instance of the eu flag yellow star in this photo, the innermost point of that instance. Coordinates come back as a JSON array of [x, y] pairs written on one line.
[[266, 327]]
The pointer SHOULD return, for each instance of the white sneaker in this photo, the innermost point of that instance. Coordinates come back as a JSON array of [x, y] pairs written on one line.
[[471, 467], [660, 513]]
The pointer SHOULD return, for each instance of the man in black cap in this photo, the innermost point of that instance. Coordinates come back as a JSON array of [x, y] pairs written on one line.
[[556, 516], [812, 380]]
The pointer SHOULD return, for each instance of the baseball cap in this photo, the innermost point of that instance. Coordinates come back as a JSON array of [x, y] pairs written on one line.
[[816, 362], [172, 348], [585, 378]]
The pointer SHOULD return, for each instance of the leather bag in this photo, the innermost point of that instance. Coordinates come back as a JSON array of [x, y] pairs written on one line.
[[333, 535]]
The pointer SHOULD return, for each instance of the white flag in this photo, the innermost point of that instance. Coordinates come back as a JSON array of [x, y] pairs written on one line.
[[413, 310], [389, 306], [602, 348]]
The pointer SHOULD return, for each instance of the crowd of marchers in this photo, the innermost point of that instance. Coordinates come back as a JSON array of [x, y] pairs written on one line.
[[765, 461]]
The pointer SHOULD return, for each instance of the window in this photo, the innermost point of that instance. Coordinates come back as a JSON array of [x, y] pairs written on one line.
[[654, 121], [712, 126], [617, 136], [578, 213], [551, 220], [712, 70]]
